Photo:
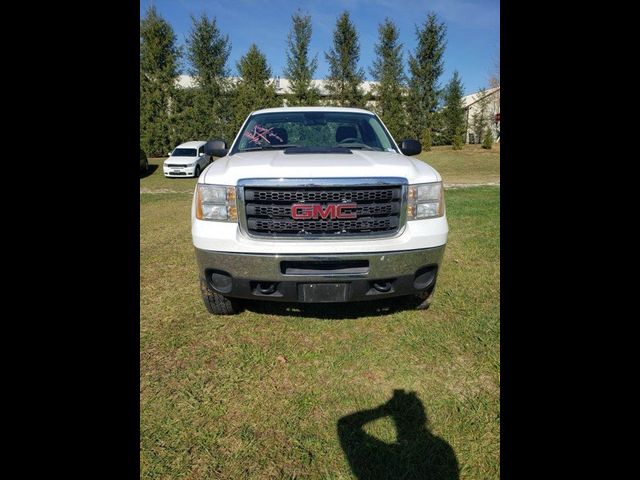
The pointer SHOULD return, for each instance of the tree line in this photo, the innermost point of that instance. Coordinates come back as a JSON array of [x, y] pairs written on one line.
[[413, 105]]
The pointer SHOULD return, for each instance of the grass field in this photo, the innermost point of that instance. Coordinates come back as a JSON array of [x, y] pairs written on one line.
[[282, 392], [471, 165]]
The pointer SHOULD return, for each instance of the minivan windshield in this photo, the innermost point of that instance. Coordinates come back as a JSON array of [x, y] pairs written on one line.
[[184, 152], [313, 131]]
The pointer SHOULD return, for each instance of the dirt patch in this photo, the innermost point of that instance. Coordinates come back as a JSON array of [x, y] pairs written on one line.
[[452, 186], [463, 382], [163, 190]]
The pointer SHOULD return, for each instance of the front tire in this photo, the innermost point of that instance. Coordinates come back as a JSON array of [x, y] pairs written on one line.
[[218, 304], [425, 299], [196, 174]]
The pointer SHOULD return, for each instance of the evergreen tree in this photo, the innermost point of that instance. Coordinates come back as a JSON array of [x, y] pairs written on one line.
[[426, 139], [487, 142], [300, 69], [457, 142], [184, 121], [426, 67], [159, 57], [388, 71], [208, 51], [479, 119], [254, 89], [343, 83], [453, 113]]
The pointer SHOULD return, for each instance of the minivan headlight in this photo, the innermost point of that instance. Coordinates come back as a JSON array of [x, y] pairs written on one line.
[[216, 203], [425, 200]]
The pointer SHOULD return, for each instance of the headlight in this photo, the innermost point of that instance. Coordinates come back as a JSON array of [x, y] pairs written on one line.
[[217, 203], [425, 201]]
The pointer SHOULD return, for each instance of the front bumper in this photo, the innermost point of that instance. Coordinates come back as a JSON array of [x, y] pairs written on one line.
[[322, 277], [179, 171]]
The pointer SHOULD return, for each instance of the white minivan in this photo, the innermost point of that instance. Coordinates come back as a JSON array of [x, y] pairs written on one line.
[[187, 160]]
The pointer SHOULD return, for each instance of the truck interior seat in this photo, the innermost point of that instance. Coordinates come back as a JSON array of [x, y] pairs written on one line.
[[346, 131]]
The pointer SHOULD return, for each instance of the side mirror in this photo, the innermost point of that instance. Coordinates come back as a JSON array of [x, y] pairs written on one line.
[[216, 148], [169, 154], [410, 147]]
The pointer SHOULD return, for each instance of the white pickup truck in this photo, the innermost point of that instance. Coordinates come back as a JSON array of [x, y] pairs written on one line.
[[316, 204]]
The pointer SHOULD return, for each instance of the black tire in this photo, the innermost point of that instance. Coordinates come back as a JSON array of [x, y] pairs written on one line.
[[216, 303], [196, 174], [424, 299], [146, 166]]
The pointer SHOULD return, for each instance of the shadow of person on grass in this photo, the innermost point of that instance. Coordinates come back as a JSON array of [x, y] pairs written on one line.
[[417, 453]]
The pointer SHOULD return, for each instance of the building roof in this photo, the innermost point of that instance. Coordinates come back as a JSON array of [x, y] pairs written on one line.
[[472, 98], [283, 85]]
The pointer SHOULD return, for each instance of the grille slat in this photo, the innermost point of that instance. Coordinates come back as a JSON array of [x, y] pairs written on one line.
[[317, 195], [268, 210], [295, 226]]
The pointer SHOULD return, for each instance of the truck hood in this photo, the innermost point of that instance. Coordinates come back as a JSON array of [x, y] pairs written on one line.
[[276, 164]]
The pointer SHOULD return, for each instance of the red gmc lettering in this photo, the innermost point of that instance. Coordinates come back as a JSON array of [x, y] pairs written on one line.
[[306, 211], [341, 206]]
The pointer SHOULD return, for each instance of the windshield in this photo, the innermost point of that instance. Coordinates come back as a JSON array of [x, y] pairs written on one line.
[[184, 152], [313, 131]]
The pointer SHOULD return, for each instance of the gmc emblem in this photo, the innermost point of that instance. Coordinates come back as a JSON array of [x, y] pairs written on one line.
[[308, 211]]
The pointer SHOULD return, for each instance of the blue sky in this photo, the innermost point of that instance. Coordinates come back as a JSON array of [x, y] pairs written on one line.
[[473, 29]]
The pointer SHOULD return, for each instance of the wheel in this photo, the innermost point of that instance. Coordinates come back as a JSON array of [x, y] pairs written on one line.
[[146, 166], [216, 303], [196, 174], [424, 299]]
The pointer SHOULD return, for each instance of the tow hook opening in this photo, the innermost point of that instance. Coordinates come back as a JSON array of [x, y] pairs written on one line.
[[266, 288], [263, 289], [377, 287], [383, 286]]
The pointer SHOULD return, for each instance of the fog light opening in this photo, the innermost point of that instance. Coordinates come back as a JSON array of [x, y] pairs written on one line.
[[221, 281], [424, 277]]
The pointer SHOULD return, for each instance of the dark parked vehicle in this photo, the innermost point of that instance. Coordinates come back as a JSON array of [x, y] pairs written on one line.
[[144, 163]]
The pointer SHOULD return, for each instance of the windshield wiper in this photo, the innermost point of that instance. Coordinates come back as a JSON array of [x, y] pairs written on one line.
[[298, 150], [269, 147]]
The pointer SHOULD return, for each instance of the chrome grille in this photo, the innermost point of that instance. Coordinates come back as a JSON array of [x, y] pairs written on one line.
[[267, 210]]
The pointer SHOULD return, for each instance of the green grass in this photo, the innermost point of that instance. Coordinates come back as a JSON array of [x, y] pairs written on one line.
[[471, 165], [260, 394], [156, 181]]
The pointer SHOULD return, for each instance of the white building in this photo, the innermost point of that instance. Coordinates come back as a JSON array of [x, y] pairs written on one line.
[[472, 104], [282, 84]]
